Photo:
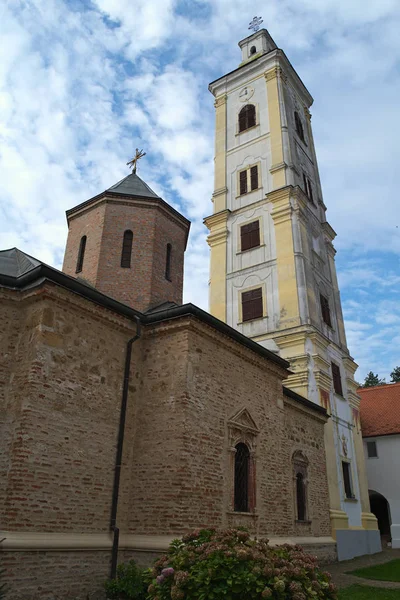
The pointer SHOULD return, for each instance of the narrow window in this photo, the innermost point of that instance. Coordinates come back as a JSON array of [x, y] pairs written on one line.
[[337, 380], [310, 194], [242, 472], [347, 480], [168, 263], [81, 254], [253, 50], [325, 310], [305, 184], [247, 117], [300, 497], [371, 449], [250, 235], [254, 177], [252, 304], [299, 126], [243, 182], [126, 249]]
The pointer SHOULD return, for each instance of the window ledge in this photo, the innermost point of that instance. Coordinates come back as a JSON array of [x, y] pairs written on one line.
[[253, 320], [246, 130], [298, 522], [252, 515], [248, 249], [354, 500], [249, 192], [340, 396]]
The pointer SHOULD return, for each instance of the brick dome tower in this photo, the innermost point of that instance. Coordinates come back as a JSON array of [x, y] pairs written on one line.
[[129, 244]]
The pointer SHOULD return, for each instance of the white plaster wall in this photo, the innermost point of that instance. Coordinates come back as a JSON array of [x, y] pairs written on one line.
[[384, 477]]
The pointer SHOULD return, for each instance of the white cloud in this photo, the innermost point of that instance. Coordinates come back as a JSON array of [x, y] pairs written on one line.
[[82, 86]]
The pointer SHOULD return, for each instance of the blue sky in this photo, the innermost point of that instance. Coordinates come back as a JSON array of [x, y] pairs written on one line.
[[82, 84]]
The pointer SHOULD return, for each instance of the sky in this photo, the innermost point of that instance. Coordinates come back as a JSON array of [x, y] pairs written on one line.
[[82, 84]]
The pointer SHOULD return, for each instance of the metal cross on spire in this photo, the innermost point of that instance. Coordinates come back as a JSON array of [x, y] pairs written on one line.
[[133, 163], [255, 23]]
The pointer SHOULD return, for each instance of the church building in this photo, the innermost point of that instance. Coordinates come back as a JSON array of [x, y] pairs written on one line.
[[128, 418], [273, 275]]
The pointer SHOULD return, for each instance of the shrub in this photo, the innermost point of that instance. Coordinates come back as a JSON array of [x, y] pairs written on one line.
[[229, 565], [131, 583]]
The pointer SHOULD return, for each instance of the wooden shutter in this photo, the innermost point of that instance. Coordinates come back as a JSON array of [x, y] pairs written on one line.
[[252, 304], [243, 182], [250, 235], [126, 249], [247, 117], [337, 381], [325, 310], [254, 178], [81, 254]]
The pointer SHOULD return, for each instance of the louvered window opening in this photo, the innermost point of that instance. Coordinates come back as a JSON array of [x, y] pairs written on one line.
[[337, 380], [299, 126], [254, 177], [247, 117], [127, 249], [325, 310], [300, 497], [250, 235], [252, 304], [243, 180], [168, 262], [347, 480], [81, 254], [242, 473]]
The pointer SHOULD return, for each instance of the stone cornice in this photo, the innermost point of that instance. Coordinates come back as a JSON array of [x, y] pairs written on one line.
[[329, 231], [219, 218], [220, 100]]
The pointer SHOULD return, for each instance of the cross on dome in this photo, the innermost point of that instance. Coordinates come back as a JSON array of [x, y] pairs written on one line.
[[133, 163]]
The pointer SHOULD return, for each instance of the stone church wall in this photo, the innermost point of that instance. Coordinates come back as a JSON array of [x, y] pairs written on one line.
[[62, 368]]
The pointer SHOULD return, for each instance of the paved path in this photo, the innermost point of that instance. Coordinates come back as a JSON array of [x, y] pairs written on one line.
[[342, 579]]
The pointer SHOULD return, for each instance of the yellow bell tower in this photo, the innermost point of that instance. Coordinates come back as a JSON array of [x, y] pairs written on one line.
[[272, 269]]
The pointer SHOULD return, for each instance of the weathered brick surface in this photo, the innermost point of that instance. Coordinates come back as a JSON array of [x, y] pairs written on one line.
[[143, 284], [56, 575], [62, 370]]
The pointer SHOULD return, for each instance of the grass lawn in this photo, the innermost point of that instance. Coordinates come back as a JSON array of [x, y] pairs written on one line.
[[389, 571], [361, 592]]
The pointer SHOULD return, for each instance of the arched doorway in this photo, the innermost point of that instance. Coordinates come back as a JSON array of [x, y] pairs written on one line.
[[380, 508]]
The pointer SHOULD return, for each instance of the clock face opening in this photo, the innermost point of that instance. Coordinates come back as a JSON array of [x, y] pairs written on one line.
[[246, 93]]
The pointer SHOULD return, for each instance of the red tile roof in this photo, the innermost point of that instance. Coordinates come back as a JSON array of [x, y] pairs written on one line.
[[380, 409]]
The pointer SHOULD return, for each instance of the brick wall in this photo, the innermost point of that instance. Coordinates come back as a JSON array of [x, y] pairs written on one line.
[[62, 370], [144, 283]]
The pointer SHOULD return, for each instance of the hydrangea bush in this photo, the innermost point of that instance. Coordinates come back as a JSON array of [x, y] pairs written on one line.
[[229, 565]]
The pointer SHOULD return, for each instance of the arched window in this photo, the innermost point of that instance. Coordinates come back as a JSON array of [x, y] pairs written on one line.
[[253, 50], [242, 473], [247, 117], [168, 262], [300, 466], [81, 254], [300, 497], [126, 249], [299, 127]]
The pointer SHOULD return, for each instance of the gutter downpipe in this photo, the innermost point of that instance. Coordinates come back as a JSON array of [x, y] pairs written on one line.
[[118, 460]]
